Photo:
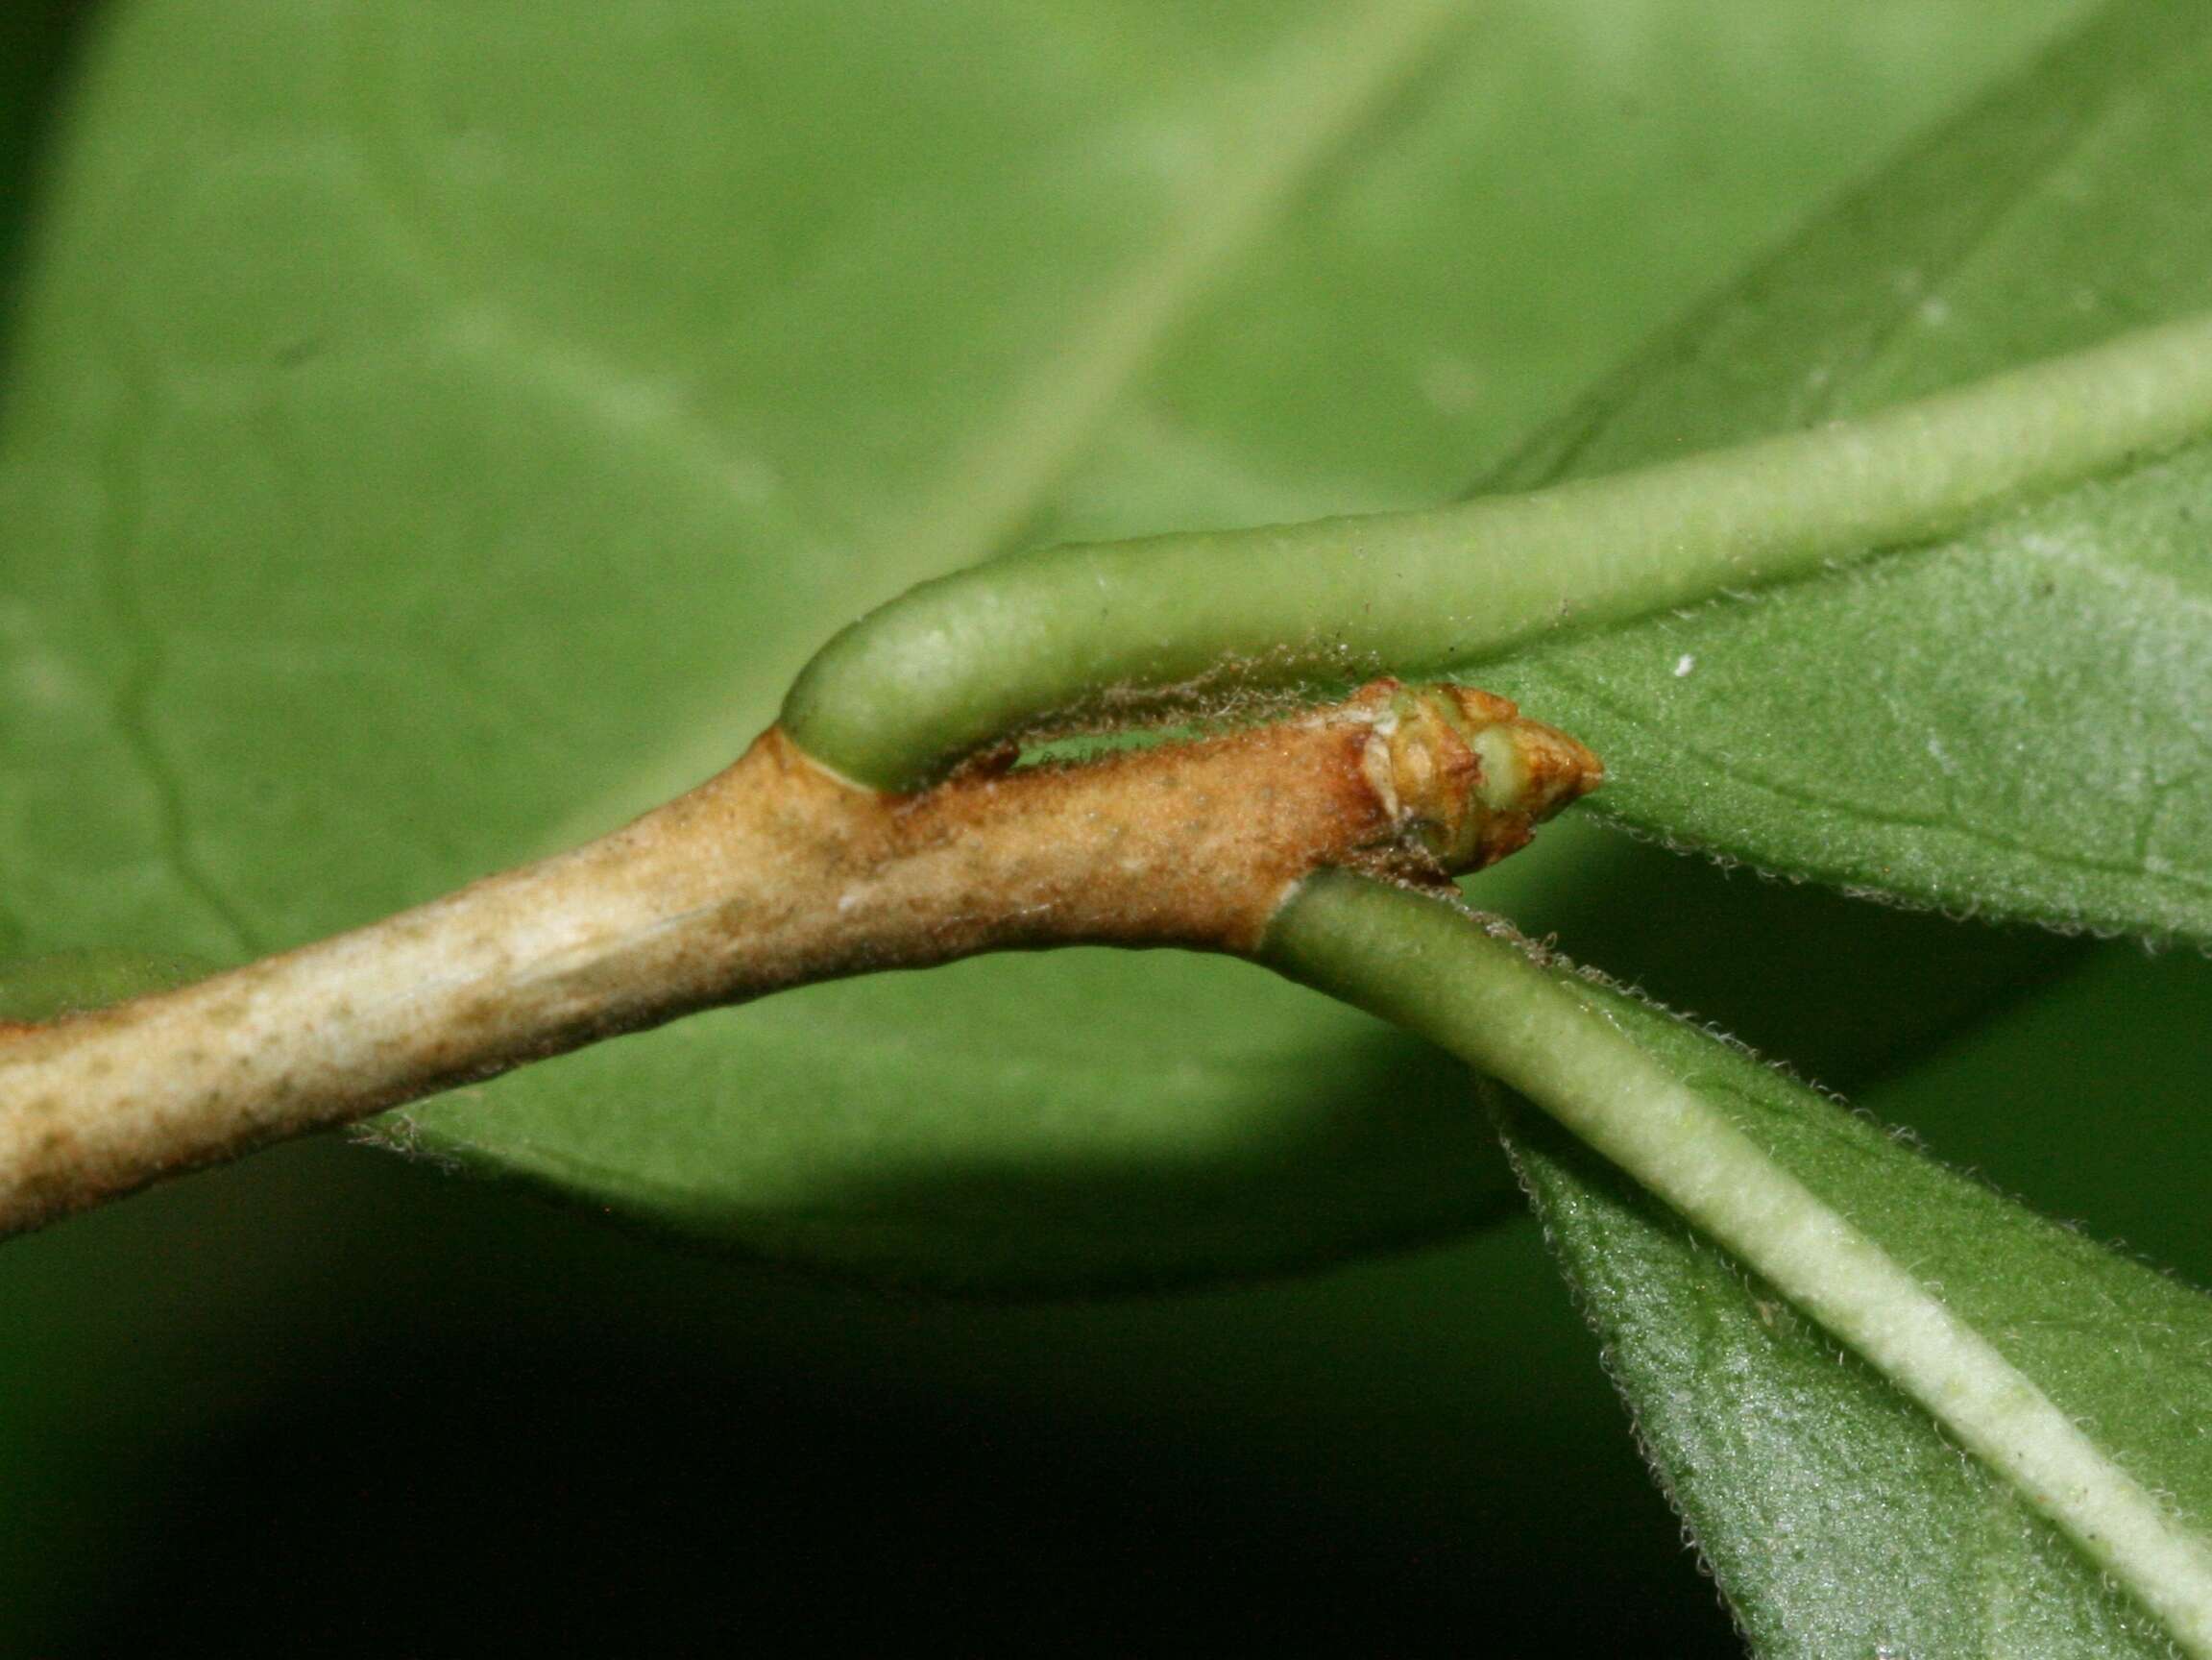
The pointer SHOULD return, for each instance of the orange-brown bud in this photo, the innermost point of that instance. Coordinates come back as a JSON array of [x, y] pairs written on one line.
[[1464, 775]]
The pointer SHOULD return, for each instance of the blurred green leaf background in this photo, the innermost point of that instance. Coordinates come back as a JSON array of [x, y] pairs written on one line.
[[333, 1401]]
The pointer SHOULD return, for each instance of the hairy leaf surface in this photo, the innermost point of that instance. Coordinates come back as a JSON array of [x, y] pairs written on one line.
[[1836, 1515], [2013, 721]]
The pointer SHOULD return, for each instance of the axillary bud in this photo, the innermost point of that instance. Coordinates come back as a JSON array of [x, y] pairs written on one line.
[[1462, 774]]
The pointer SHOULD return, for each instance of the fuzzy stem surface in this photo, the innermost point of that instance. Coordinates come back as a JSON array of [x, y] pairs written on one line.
[[772, 874]]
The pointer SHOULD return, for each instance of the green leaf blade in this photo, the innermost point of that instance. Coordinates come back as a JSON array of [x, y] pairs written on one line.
[[2009, 722], [434, 437], [1834, 1515], [2023, 1438]]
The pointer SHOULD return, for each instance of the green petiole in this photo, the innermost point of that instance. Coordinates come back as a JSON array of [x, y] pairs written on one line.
[[956, 663], [1584, 1053]]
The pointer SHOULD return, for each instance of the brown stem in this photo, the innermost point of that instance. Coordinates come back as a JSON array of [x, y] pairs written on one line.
[[772, 874]]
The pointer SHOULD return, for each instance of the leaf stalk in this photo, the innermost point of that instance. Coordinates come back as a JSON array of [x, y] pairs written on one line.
[[902, 694], [1441, 972]]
